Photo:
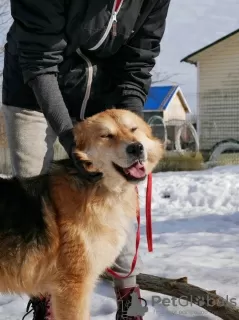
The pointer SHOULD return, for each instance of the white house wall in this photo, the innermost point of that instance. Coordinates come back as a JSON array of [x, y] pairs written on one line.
[[175, 110], [219, 92]]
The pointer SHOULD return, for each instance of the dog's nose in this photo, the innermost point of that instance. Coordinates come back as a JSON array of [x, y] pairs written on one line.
[[135, 149]]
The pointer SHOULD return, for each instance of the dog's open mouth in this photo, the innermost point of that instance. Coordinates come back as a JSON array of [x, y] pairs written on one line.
[[136, 172]]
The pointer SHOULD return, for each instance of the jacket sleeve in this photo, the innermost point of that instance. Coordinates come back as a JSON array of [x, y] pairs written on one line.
[[134, 61], [39, 30], [40, 35]]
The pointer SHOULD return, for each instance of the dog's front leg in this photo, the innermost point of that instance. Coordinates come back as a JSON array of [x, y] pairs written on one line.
[[73, 302]]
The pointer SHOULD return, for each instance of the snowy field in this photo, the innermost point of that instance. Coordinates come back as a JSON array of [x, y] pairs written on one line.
[[196, 234]]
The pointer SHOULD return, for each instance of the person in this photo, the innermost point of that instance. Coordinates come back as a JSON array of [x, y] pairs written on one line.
[[64, 61]]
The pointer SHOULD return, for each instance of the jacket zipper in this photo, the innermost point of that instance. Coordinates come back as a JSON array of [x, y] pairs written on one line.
[[88, 84], [112, 25]]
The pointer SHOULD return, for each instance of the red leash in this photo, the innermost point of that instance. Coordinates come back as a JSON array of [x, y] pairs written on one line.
[[148, 228]]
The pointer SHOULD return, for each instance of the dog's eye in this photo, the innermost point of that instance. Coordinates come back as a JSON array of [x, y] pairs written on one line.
[[133, 129], [107, 136]]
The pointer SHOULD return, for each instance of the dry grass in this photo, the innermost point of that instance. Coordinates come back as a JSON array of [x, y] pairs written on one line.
[[173, 161]]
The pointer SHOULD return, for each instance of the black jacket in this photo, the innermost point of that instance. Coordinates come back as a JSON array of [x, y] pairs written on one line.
[[100, 58]]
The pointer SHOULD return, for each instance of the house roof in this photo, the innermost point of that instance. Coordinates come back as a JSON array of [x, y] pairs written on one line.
[[159, 98], [190, 56]]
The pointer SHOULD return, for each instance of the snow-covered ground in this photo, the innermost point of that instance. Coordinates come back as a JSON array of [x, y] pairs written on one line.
[[196, 234]]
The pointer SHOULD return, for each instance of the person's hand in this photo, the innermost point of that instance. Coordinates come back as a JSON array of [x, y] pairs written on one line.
[[85, 175]]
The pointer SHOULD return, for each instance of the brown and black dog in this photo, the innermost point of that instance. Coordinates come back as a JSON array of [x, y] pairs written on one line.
[[57, 233]]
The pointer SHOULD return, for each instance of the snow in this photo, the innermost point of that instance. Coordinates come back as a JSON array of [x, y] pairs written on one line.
[[195, 231]]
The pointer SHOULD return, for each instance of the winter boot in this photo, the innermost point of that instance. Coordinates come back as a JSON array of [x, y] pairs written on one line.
[[41, 308], [130, 304]]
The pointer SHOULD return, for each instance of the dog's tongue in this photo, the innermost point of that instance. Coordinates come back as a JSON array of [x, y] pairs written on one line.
[[137, 170]]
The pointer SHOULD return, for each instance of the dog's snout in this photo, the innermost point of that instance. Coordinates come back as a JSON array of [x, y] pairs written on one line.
[[135, 149]]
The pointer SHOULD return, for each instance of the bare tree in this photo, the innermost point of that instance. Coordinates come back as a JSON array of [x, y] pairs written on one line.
[[159, 77]]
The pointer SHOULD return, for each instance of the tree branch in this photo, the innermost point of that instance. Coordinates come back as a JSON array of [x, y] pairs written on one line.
[[158, 77], [180, 288]]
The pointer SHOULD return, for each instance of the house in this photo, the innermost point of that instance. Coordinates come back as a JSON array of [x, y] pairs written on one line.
[[167, 107], [168, 102], [218, 90]]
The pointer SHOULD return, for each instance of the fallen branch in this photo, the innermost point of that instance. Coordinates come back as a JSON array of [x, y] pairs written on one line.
[[180, 288]]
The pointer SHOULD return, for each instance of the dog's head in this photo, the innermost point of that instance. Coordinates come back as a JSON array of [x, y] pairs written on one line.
[[118, 143]]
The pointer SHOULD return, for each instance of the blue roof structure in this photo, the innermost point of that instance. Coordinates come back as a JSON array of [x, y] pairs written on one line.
[[159, 97]]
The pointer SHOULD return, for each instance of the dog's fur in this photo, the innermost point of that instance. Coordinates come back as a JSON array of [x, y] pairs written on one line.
[[58, 233]]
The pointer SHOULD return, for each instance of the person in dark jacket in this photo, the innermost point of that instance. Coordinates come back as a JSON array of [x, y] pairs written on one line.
[[66, 60]]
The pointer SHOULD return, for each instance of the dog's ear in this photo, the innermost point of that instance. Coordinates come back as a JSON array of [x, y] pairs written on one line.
[[81, 139], [80, 135], [88, 165]]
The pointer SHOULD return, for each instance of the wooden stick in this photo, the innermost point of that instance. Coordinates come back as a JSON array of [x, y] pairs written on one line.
[[180, 288]]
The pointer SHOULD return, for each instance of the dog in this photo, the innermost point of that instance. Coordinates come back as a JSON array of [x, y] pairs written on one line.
[[58, 233]]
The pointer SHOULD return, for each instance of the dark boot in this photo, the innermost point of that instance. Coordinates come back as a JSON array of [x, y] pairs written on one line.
[[130, 304], [40, 308]]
